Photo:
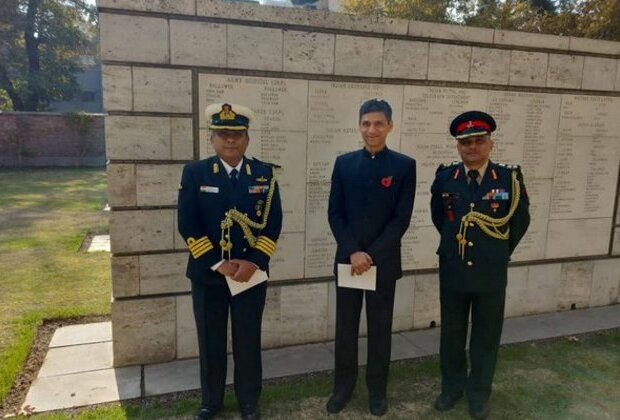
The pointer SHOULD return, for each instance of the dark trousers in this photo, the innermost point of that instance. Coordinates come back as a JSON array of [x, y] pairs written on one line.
[[211, 305], [487, 313], [379, 310]]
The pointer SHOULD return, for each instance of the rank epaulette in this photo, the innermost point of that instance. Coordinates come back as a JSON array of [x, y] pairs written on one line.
[[443, 166]]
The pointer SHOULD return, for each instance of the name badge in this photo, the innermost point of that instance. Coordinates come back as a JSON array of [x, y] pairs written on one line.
[[209, 189], [258, 189]]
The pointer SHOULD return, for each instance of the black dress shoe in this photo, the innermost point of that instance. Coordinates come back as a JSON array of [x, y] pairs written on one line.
[[377, 406], [446, 401], [206, 413], [249, 412], [479, 411], [337, 402]]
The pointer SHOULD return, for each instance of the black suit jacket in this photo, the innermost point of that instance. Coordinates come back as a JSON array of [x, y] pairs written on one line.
[[484, 265], [370, 205], [205, 194]]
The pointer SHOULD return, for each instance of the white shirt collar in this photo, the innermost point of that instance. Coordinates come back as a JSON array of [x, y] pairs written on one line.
[[230, 168], [481, 170]]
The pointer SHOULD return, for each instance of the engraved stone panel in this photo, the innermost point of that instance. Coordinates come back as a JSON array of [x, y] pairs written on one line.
[[157, 185], [419, 245], [117, 93], [141, 230], [148, 35], [163, 273], [121, 185], [577, 237], [187, 338], [405, 59], [618, 76], [143, 331], [426, 301], [587, 156], [599, 73], [271, 332], [565, 71], [489, 65], [527, 128], [605, 282], [517, 292], [449, 62], [575, 285], [185, 7], [528, 68], [358, 56], [254, 48], [162, 90], [543, 132], [125, 276], [533, 244], [403, 304], [543, 282], [197, 43], [303, 311], [288, 261], [309, 52]]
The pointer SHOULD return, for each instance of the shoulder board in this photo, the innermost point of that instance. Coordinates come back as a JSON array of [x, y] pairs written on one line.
[[273, 165], [446, 166], [513, 167]]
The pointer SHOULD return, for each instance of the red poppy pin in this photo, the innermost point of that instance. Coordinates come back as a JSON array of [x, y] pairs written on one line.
[[387, 181]]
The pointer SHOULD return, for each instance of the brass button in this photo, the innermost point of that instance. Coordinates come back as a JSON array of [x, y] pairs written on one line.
[[470, 243], [469, 263]]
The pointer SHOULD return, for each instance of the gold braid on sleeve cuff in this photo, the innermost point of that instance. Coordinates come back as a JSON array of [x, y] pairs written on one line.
[[265, 245], [199, 247]]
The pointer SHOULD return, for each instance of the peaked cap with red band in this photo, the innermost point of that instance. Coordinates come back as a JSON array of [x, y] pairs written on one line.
[[472, 123]]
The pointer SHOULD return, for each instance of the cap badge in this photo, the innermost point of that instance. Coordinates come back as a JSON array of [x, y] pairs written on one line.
[[227, 113]]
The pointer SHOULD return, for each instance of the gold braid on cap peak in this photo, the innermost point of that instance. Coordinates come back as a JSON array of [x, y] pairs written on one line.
[[489, 225], [246, 224]]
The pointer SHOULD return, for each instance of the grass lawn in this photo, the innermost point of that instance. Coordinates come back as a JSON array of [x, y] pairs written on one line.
[[44, 216], [567, 378]]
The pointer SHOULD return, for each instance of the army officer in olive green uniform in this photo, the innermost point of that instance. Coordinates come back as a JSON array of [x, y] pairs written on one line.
[[481, 210]]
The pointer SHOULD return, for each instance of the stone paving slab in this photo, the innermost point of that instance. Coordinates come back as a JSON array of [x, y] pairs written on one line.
[[80, 389], [296, 360], [180, 375], [74, 359], [100, 243], [82, 334], [427, 341]]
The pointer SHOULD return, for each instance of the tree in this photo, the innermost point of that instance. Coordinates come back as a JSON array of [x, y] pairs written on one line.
[[426, 10], [40, 42]]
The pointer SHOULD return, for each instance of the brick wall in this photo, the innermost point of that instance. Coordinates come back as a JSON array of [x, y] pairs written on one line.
[[46, 139]]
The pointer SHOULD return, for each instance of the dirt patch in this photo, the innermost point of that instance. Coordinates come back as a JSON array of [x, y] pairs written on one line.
[[16, 396]]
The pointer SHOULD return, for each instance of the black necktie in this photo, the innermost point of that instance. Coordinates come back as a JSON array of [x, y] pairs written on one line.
[[233, 177], [473, 180]]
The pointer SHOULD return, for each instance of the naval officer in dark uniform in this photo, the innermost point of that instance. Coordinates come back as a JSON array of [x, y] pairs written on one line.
[[370, 205], [481, 210], [229, 214]]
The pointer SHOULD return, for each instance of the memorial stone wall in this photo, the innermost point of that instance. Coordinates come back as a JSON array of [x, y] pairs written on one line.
[[305, 73]]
